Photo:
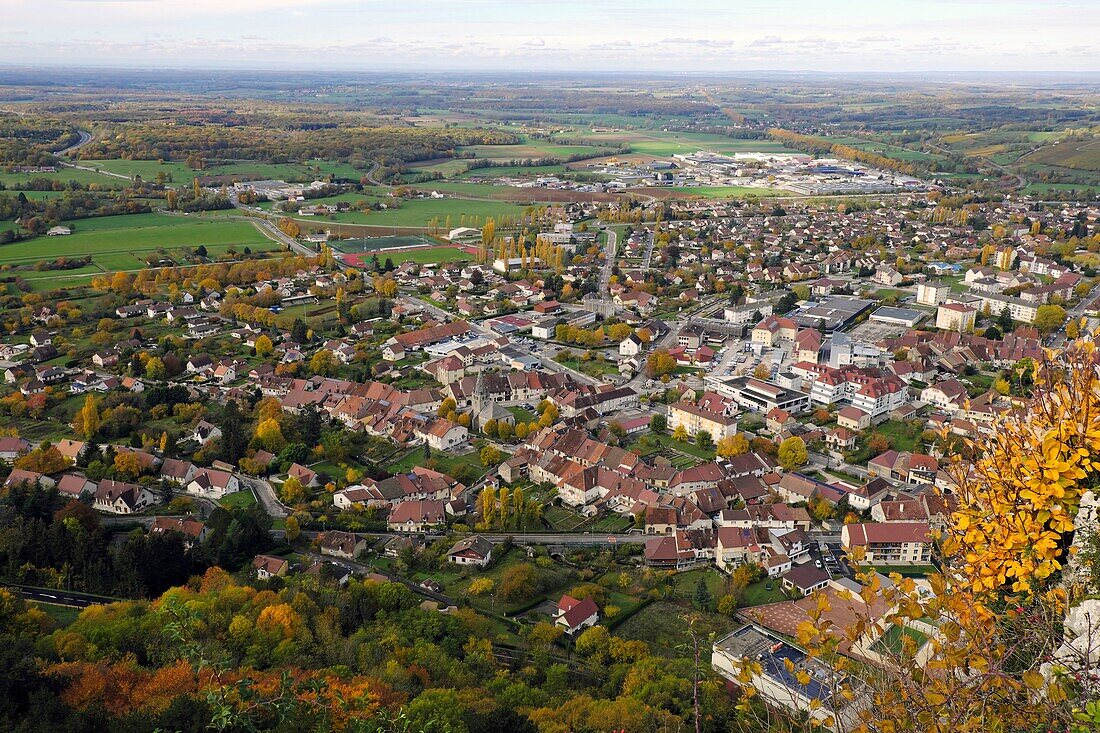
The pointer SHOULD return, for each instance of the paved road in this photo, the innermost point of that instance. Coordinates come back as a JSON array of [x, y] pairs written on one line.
[[610, 250], [85, 138], [59, 597], [266, 495], [647, 260], [594, 538]]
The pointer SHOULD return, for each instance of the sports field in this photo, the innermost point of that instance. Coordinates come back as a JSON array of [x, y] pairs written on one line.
[[415, 212], [124, 242]]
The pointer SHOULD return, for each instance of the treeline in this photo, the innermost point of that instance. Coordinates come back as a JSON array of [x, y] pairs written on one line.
[[37, 215], [306, 654], [821, 146], [48, 542], [202, 145], [29, 140]]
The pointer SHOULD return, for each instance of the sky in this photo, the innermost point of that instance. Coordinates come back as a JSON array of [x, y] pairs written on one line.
[[672, 36]]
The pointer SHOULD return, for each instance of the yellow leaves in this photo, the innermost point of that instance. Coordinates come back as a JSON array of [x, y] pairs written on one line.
[[803, 677], [1034, 679]]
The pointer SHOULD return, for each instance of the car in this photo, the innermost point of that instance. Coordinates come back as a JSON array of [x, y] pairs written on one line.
[[767, 586], [817, 563]]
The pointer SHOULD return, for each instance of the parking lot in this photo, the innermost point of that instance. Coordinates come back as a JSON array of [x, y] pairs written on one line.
[[831, 558]]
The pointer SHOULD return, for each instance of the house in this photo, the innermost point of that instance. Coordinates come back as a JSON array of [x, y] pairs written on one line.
[[192, 529], [117, 497], [442, 434], [893, 543], [631, 346], [13, 447], [805, 579], [58, 231], [19, 476], [574, 615], [205, 432], [74, 485], [419, 515], [210, 483], [342, 544], [474, 550], [177, 471], [853, 418], [948, 395], [841, 439], [305, 476], [269, 566]]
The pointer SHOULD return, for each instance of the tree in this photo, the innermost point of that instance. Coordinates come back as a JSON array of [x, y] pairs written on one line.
[[701, 598], [490, 456], [1073, 329], [89, 418], [680, 434], [264, 345], [270, 435], [733, 445], [658, 423], [293, 530], [727, 605], [1002, 386], [154, 368], [323, 362], [292, 491], [792, 453], [660, 363], [762, 372], [127, 464], [490, 428], [1049, 318], [704, 440], [480, 586]]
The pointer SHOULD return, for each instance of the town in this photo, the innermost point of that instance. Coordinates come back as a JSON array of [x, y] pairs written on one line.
[[730, 442]]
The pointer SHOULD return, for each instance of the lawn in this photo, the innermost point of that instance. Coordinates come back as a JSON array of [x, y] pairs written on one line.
[[444, 462], [243, 498], [758, 594], [902, 437], [414, 212], [63, 615], [665, 628], [522, 415], [666, 442], [65, 175], [892, 641]]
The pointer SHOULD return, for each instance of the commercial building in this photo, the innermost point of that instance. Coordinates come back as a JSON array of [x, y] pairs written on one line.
[[780, 665], [758, 396]]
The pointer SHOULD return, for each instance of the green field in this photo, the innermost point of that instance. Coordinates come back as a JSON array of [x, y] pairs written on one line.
[[531, 149], [181, 174], [660, 143], [122, 242], [15, 180], [417, 212], [514, 170]]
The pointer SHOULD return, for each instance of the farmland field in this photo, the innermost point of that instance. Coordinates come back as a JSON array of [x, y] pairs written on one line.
[[1076, 154], [533, 150], [122, 242]]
